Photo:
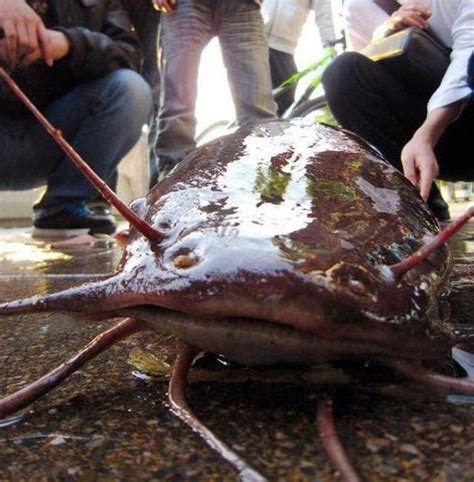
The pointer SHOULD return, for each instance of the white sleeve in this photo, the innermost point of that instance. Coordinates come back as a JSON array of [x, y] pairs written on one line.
[[324, 19], [361, 18], [454, 85]]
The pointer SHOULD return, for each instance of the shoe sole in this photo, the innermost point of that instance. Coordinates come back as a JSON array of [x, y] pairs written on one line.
[[69, 233], [58, 233], [103, 230]]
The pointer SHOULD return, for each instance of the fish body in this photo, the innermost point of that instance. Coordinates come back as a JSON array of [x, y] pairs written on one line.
[[289, 227]]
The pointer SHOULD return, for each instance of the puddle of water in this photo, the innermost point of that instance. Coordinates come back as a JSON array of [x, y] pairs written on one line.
[[466, 360], [16, 252], [461, 399], [56, 438], [60, 276], [8, 422], [140, 376]]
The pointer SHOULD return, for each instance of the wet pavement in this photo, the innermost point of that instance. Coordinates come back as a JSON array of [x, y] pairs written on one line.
[[108, 423]]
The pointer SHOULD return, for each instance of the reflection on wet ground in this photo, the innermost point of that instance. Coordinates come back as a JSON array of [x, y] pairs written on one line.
[[105, 423]]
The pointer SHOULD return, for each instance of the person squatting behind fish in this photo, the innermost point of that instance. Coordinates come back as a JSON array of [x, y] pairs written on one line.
[[77, 61], [284, 20], [186, 29], [427, 134]]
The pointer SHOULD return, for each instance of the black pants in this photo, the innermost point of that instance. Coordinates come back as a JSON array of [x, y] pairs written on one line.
[[386, 110], [282, 66]]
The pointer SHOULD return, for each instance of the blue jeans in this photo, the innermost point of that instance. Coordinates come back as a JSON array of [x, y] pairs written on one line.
[[184, 34], [101, 119]]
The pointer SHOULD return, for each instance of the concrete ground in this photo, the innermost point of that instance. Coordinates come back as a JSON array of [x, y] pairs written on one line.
[[107, 422]]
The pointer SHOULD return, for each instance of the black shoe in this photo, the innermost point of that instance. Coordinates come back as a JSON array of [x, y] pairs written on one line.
[[438, 205], [442, 215], [73, 220], [100, 209]]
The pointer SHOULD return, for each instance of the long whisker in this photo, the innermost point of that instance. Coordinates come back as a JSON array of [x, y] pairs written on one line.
[[439, 240], [461, 386], [180, 407], [331, 442], [23, 397]]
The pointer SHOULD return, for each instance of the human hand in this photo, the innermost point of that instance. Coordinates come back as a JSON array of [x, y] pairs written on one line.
[[419, 163], [164, 6], [59, 48], [411, 15], [24, 33]]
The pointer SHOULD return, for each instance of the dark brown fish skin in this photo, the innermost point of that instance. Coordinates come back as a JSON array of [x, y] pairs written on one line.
[[363, 214], [288, 222]]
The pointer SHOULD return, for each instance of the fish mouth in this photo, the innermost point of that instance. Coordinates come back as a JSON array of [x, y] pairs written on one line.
[[292, 337], [256, 342]]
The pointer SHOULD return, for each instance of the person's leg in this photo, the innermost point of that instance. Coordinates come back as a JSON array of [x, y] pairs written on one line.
[[282, 66], [102, 120], [245, 51], [367, 100], [184, 34], [455, 148], [21, 167], [146, 19], [152, 139]]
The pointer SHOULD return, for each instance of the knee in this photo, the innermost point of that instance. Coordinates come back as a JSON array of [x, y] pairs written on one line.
[[342, 74], [133, 95]]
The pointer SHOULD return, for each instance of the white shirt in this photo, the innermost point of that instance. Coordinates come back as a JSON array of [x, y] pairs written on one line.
[[453, 22], [284, 20], [361, 18]]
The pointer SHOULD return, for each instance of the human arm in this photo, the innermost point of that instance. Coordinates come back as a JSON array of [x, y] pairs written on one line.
[[419, 161], [59, 45], [96, 53], [323, 17], [446, 102], [24, 32]]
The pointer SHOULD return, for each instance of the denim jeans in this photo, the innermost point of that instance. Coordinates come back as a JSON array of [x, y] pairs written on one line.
[[146, 21], [184, 34], [102, 120]]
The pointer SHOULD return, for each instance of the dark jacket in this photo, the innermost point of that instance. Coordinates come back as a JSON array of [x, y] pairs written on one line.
[[101, 40], [145, 20], [101, 36]]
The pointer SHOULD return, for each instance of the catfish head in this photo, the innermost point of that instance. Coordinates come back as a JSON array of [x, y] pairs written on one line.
[[287, 242], [278, 244]]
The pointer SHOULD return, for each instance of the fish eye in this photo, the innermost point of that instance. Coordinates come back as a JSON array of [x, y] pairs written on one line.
[[184, 261], [357, 287]]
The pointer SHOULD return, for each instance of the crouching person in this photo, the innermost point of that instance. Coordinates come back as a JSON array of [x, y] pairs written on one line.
[[76, 61], [426, 130]]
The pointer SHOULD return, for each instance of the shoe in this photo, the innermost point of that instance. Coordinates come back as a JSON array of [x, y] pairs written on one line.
[[442, 215], [100, 209], [438, 205], [73, 220]]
